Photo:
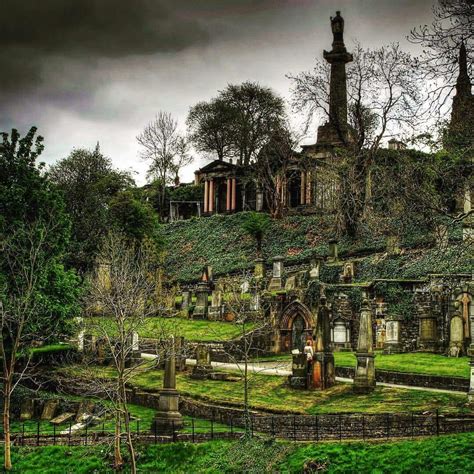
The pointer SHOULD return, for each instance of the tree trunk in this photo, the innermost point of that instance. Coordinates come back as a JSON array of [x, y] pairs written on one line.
[[126, 417], [118, 460], [7, 386]]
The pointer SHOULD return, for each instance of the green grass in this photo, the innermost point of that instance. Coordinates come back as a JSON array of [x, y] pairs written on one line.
[[413, 362], [273, 392], [446, 454], [192, 330]]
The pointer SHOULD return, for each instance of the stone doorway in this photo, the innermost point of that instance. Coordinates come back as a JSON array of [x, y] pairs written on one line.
[[296, 326]]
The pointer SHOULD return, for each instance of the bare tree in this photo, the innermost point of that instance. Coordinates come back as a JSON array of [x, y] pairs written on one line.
[[124, 292], [452, 24], [166, 149], [384, 96]]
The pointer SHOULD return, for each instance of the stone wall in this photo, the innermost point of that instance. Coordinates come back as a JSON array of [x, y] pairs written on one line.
[[417, 380]]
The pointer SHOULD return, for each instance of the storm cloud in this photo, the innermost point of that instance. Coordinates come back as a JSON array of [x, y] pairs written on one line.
[[97, 70]]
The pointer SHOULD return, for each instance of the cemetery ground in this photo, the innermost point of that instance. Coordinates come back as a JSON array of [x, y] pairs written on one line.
[[443, 454], [413, 362], [272, 393]]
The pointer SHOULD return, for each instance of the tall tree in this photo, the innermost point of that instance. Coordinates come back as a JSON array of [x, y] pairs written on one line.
[[209, 124], [166, 150], [88, 181], [37, 296]]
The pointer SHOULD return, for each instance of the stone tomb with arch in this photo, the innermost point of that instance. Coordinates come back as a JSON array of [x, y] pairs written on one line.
[[296, 325]]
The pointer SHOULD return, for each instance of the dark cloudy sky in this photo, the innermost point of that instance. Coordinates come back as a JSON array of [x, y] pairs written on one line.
[[98, 70]]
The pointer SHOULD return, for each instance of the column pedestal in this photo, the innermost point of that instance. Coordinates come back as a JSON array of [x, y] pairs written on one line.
[[167, 418]]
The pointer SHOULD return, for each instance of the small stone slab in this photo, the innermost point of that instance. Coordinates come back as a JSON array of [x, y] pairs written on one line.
[[63, 418], [49, 409]]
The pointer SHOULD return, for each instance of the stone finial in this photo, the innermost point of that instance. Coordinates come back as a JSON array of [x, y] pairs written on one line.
[[337, 27]]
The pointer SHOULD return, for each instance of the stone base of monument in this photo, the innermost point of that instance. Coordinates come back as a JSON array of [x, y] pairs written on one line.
[[364, 380], [297, 382], [201, 372], [168, 418], [324, 373], [275, 284], [392, 348]]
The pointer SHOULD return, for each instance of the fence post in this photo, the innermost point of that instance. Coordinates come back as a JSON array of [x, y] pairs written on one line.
[[138, 427], [37, 433], [232, 425], [363, 427], [23, 434], [69, 436], [192, 429], [340, 427], [174, 433], [251, 426], [54, 435], [154, 431], [412, 425], [273, 426], [85, 442], [212, 426], [437, 422], [388, 425], [294, 427]]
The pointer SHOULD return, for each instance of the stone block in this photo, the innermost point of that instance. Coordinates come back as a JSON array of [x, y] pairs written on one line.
[[63, 418], [27, 409]]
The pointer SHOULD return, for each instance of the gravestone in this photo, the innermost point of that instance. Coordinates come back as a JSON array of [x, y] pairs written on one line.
[[315, 267], [259, 269], [203, 365], [59, 420], [456, 335], [333, 251], [49, 409], [85, 410], [185, 299], [27, 409], [299, 370], [277, 274], [392, 344], [364, 379], [215, 311], [290, 283], [201, 309]]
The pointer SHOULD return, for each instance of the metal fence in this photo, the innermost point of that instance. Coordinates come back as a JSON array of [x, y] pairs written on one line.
[[289, 427]]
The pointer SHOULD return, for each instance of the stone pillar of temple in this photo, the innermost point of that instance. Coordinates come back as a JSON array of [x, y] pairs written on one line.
[[335, 131], [168, 418], [364, 380], [211, 196], [228, 195], [206, 196], [324, 374], [234, 194]]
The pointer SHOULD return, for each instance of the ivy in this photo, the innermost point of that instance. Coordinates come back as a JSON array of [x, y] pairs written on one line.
[[400, 302]]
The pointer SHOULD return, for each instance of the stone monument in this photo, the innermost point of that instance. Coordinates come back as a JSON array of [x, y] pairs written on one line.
[[364, 380], [277, 274], [168, 418], [201, 310], [324, 375], [203, 365]]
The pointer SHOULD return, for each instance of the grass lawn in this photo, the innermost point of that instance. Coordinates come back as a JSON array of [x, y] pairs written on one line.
[[192, 330], [273, 392], [431, 455], [414, 362]]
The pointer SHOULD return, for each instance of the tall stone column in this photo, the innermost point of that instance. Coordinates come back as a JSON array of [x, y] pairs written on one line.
[[168, 418], [324, 374], [364, 380], [206, 196]]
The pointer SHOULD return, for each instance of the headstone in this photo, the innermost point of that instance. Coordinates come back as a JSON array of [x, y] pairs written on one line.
[[49, 409], [364, 380], [202, 301], [168, 418], [277, 274], [244, 287], [27, 409], [298, 376], [59, 420], [186, 299], [333, 251], [456, 335], [203, 365], [259, 269], [392, 343], [290, 283], [393, 245], [471, 381], [85, 410]]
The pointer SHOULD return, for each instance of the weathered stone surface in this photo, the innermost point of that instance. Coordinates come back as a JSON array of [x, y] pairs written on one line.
[[27, 409], [63, 418], [49, 409], [86, 408]]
